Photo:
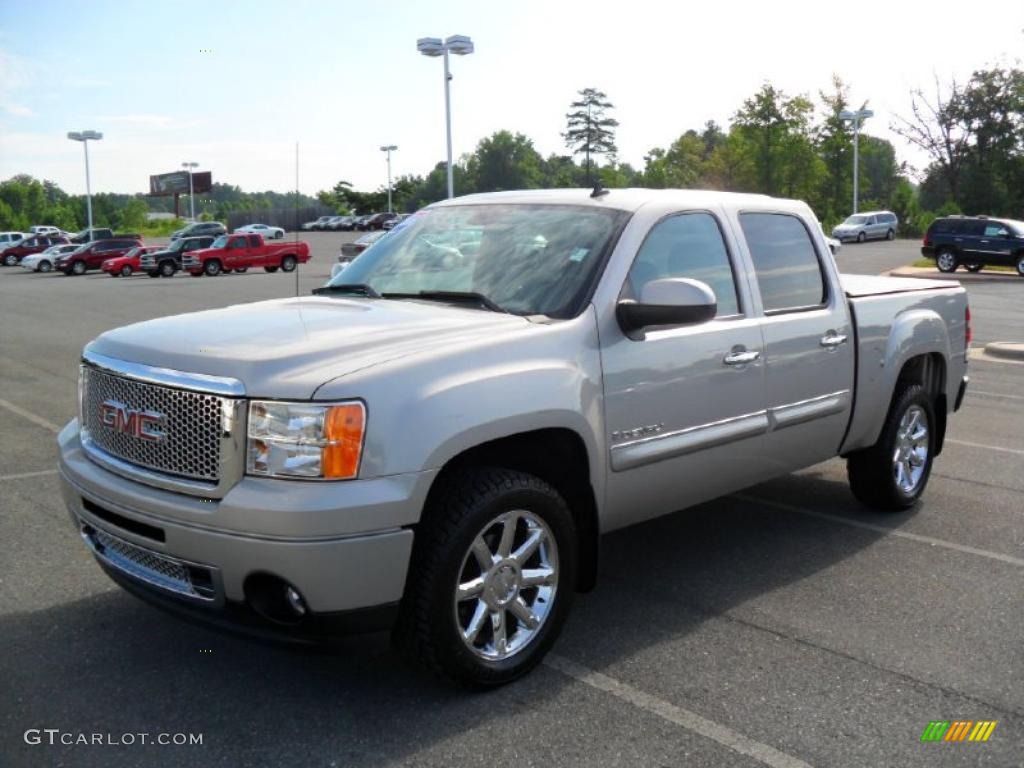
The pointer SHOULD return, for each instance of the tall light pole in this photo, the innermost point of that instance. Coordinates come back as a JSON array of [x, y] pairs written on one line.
[[191, 194], [855, 118], [389, 148], [460, 45], [85, 137]]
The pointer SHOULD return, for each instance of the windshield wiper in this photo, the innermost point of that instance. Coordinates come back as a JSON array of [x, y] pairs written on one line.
[[453, 296], [359, 289]]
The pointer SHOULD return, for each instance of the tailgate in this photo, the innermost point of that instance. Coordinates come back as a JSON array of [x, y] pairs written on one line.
[[872, 285]]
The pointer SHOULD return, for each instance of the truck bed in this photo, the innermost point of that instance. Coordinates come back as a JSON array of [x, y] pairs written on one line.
[[855, 286]]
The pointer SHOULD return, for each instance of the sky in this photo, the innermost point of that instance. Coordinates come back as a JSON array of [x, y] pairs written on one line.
[[235, 85]]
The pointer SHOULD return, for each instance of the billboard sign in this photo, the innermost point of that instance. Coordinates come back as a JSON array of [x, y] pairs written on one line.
[[176, 182]]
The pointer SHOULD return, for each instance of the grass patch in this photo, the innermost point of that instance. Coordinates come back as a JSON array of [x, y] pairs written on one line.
[[926, 263]]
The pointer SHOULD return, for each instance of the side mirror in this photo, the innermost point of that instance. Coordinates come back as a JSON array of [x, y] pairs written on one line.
[[669, 301]]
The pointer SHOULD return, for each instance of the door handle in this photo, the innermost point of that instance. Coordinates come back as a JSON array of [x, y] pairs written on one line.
[[741, 357], [831, 339]]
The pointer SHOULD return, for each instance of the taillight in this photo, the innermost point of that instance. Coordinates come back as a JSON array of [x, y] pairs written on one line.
[[968, 334]]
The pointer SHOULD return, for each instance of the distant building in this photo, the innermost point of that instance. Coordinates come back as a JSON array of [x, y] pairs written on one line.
[[159, 216]]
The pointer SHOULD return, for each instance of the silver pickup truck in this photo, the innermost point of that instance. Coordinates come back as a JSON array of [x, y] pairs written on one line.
[[436, 440]]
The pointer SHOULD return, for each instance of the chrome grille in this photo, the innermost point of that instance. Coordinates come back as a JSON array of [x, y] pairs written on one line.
[[192, 425], [148, 566]]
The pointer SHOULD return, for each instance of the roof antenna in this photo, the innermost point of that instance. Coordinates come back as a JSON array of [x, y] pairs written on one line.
[[599, 191]]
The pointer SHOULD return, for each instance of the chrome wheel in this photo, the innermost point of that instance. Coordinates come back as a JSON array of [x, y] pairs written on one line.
[[910, 456], [506, 586], [946, 262]]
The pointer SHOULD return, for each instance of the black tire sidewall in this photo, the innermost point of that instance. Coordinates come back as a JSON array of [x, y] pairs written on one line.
[[451, 653]]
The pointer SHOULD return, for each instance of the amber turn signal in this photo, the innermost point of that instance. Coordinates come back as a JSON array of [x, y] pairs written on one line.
[[343, 431]]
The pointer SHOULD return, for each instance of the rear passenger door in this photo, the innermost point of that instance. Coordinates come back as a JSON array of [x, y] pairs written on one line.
[[967, 237], [809, 354]]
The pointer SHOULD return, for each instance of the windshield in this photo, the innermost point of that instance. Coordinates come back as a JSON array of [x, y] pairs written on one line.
[[856, 220], [526, 259], [220, 242]]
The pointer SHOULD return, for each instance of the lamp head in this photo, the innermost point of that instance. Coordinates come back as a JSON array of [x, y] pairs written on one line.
[[460, 45], [430, 46]]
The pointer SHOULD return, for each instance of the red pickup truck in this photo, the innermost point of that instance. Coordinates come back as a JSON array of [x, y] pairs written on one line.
[[236, 253]]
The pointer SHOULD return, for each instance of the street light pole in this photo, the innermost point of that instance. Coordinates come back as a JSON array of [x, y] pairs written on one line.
[[460, 45], [85, 137], [191, 194], [855, 118], [389, 148]]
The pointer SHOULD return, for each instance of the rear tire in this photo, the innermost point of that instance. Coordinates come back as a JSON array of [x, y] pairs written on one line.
[[892, 474], [270, 269], [861, 237], [464, 517], [288, 263], [890, 235], [946, 261]]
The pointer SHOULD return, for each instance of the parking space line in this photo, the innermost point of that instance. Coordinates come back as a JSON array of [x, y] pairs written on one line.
[[691, 721], [882, 529], [39, 420], [999, 448], [23, 475], [992, 394]]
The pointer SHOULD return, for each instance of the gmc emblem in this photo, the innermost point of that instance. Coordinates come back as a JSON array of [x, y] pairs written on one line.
[[141, 424]]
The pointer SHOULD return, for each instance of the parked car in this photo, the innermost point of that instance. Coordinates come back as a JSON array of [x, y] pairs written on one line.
[[360, 223], [360, 244], [268, 232], [236, 253], [164, 262], [44, 261], [378, 220], [975, 242], [45, 229], [214, 228], [440, 436], [10, 238], [318, 224], [341, 223], [92, 255], [392, 223], [870, 225], [14, 253], [88, 235], [124, 266]]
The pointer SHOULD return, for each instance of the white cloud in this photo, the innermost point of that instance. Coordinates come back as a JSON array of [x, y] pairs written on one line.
[[18, 110]]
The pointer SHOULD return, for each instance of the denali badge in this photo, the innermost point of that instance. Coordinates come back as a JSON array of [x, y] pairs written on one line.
[[141, 424]]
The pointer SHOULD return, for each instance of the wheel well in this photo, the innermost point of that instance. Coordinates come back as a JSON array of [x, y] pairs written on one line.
[[559, 457], [930, 372]]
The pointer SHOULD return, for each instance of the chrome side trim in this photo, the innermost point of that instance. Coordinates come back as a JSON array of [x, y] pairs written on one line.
[[788, 415], [648, 450], [197, 382]]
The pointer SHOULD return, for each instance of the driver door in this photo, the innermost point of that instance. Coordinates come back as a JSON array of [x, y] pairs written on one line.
[[684, 406]]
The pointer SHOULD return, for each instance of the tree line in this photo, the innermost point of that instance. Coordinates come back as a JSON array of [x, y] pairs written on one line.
[[775, 143]]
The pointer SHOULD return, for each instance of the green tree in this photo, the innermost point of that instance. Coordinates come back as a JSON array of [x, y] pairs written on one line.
[[589, 131], [504, 161], [835, 145]]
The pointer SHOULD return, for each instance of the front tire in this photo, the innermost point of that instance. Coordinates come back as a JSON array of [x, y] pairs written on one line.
[[167, 269], [212, 268], [78, 268], [946, 261], [492, 577], [126, 271], [10, 260], [1020, 264], [892, 474], [45, 266]]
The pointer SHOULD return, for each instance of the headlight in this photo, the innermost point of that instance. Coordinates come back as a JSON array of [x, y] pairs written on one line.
[[305, 439]]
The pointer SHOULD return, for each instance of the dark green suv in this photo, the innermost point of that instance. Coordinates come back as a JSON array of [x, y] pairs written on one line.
[[974, 242]]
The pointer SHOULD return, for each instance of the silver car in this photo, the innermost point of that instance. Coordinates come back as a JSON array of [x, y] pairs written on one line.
[[870, 225]]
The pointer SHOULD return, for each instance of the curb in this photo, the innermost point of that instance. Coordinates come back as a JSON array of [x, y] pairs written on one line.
[[1008, 350], [960, 276]]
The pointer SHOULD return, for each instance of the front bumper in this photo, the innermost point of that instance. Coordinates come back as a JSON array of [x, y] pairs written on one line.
[[314, 536]]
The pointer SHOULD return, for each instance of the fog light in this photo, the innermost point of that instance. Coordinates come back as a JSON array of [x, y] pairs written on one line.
[[295, 600]]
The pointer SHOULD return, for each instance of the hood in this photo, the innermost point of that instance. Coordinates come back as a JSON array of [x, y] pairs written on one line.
[[286, 348]]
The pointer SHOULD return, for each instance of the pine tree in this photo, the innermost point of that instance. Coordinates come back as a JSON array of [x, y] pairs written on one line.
[[588, 130]]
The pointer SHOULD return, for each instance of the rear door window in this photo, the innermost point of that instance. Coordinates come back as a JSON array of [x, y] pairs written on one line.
[[972, 228], [786, 263]]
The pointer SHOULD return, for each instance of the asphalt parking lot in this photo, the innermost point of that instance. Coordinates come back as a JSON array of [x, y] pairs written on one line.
[[784, 626]]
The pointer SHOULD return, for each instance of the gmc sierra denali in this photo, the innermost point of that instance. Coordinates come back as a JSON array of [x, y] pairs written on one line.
[[435, 440]]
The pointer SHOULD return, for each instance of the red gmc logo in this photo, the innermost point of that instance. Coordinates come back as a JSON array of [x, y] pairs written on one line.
[[140, 424]]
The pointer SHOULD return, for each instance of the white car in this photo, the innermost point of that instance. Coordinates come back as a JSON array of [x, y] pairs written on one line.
[[44, 261], [45, 229], [10, 238], [268, 232]]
